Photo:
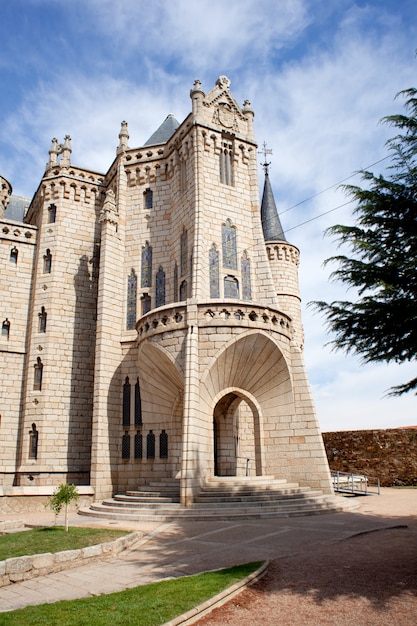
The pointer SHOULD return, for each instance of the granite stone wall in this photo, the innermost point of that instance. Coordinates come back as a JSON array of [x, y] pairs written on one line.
[[390, 455]]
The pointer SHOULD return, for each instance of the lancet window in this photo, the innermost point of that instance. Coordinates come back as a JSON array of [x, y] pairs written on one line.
[[126, 403], [229, 245], [47, 262], [246, 278], [184, 252], [160, 287], [214, 272], [231, 287], [146, 273], [132, 283], [42, 320], [38, 373]]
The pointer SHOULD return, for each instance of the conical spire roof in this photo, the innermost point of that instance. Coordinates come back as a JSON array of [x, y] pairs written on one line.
[[164, 132], [271, 224]]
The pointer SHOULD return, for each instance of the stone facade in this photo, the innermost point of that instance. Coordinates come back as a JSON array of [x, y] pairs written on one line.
[[153, 333]]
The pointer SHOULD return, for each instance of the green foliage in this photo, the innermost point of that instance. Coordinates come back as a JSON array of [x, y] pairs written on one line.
[[381, 325], [53, 539], [148, 605], [62, 498]]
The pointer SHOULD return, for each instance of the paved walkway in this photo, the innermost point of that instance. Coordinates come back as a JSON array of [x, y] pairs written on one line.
[[180, 548]]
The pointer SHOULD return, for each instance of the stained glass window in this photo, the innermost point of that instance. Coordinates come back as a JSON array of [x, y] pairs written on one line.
[[229, 245], [132, 283], [160, 287], [146, 303], [231, 287], [146, 274], [246, 281], [214, 272]]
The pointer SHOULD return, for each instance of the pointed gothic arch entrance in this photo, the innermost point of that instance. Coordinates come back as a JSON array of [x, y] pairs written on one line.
[[236, 436]]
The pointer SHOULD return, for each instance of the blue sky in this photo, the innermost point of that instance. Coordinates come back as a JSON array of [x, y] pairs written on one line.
[[319, 74]]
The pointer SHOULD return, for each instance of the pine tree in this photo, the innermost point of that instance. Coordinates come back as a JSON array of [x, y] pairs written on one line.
[[381, 325]]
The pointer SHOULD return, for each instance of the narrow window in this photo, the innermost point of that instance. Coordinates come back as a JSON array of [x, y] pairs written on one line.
[[160, 287], [33, 442], [138, 446], [5, 328], [126, 402], [132, 283], [226, 164], [246, 281], [163, 445], [148, 199], [51, 214], [150, 445], [229, 245], [37, 378], [214, 272], [175, 282], [146, 270], [184, 253], [138, 405], [183, 290], [14, 253], [126, 446], [146, 303], [231, 287], [42, 320], [47, 262]]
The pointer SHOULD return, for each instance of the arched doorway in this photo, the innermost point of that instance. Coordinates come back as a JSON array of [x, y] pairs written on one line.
[[236, 438]]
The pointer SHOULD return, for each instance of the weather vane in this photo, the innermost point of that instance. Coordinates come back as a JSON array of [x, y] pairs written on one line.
[[265, 151]]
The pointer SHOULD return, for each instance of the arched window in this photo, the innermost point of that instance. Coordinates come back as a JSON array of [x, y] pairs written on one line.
[[47, 262], [246, 281], [184, 251], [150, 445], [138, 445], [229, 245], [138, 405], [183, 290], [14, 253], [175, 282], [146, 303], [38, 372], [51, 214], [214, 272], [126, 402], [5, 328], [148, 199], [42, 320], [163, 445], [160, 287], [132, 283], [33, 442], [226, 163], [231, 287], [126, 446], [146, 270]]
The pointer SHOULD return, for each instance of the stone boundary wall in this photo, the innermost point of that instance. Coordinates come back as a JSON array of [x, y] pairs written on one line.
[[26, 567], [389, 454]]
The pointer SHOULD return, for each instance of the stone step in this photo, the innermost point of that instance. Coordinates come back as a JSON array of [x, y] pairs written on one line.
[[256, 497], [328, 504], [151, 495]]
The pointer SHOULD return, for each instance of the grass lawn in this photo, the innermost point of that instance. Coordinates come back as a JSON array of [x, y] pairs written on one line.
[[149, 605], [53, 539]]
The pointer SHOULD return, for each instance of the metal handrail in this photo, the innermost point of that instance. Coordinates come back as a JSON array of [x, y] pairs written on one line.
[[359, 484]]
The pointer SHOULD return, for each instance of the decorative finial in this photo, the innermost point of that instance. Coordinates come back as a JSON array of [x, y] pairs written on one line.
[[123, 138], [265, 151]]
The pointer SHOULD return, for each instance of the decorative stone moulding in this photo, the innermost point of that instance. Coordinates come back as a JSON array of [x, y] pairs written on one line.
[[211, 315]]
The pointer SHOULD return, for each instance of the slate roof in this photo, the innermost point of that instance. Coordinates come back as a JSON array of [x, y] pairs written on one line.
[[164, 132], [271, 224], [16, 209]]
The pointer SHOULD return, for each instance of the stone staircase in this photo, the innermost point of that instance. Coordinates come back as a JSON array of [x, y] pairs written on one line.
[[221, 499]]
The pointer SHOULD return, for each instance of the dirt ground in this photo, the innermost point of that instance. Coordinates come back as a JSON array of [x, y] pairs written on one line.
[[366, 580]]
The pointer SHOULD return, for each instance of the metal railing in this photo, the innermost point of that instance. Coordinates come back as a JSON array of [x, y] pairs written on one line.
[[358, 484]]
